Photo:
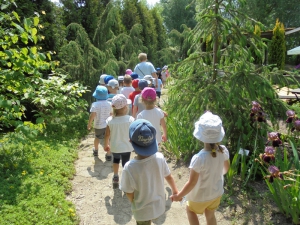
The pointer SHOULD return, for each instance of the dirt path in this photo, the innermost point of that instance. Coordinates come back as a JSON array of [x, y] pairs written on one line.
[[97, 203]]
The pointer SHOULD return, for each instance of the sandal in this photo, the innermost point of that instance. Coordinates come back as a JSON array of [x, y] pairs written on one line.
[[108, 157]]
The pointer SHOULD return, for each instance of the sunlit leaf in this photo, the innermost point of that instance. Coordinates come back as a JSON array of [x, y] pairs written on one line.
[[16, 15], [36, 21]]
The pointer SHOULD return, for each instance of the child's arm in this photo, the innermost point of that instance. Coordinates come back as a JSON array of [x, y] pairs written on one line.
[[130, 196], [106, 139], [134, 111], [187, 187], [172, 184], [91, 119], [164, 128], [226, 166]]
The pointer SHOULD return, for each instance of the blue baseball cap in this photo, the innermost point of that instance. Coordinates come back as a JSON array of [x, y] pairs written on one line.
[[142, 84], [143, 137], [134, 76], [100, 93], [157, 68], [108, 78]]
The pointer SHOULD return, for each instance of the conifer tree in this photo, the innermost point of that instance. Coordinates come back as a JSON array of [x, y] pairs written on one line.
[[223, 80], [277, 48], [149, 35], [130, 16]]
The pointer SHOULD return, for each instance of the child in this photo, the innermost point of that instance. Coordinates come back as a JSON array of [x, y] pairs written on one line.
[[143, 177], [128, 72], [100, 111], [113, 87], [153, 114], [116, 135], [135, 85], [204, 188], [101, 81], [158, 89], [127, 89], [134, 76], [121, 82], [137, 105]]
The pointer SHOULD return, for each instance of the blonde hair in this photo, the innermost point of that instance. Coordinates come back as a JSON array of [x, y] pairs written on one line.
[[119, 112], [142, 56], [149, 103], [214, 148], [127, 79]]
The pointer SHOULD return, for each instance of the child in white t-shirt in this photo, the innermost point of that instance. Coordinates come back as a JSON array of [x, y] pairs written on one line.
[[116, 135], [153, 114], [100, 111], [127, 88], [204, 188], [143, 177]]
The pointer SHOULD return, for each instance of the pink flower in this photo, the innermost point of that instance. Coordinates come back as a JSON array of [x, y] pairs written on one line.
[[269, 150]]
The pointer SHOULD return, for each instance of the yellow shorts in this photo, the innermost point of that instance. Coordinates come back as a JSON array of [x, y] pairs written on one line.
[[199, 207]]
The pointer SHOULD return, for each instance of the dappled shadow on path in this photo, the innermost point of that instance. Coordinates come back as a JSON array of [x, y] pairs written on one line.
[[119, 206]]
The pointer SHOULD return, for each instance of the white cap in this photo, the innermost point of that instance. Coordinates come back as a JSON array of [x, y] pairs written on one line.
[[102, 77], [113, 83]]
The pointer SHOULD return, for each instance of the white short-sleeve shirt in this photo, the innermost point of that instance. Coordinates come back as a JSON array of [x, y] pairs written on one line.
[[153, 116], [126, 91], [102, 108], [119, 133], [145, 178], [211, 179]]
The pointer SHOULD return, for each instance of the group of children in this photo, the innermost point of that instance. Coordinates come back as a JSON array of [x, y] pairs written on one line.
[[143, 176]]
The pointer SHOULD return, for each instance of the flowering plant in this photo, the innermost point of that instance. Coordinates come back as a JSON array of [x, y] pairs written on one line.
[[282, 175]]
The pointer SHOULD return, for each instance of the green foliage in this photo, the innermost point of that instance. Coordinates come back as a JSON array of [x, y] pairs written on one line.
[[35, 173], [25, 86], [277, 46], [223, 81], [284, 187], [178, 12]]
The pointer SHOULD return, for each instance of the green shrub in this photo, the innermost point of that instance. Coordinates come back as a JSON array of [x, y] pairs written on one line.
[[35, 173]]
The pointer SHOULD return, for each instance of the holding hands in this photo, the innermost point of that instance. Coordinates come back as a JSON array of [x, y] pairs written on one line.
[[175, 198]]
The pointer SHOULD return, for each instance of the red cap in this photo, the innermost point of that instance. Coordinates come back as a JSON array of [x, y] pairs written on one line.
[[135, 83]]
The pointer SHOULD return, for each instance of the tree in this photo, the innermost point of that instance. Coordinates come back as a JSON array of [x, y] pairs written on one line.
[[178, 12], [26, 87], [130, 15], [277, 46], [149, 35], [44, 9], [222, 79]]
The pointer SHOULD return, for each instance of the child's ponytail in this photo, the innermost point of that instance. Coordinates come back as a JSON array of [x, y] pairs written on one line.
[[214, 147]]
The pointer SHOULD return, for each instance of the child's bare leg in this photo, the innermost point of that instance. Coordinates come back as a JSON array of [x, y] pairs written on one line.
[[96, 143], [210, 217], [193, 218]]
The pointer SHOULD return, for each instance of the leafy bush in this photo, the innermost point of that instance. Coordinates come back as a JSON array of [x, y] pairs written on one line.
[[26, 88]]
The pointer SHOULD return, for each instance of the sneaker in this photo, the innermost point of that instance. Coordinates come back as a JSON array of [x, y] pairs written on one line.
[[115, 182], [95, 152], [108, 157]]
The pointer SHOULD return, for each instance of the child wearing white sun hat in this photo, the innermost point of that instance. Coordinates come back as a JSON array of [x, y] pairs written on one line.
[[204, 188], [116, 134]]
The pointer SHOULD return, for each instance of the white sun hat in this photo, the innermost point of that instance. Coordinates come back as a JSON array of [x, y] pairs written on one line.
[[209, 129]]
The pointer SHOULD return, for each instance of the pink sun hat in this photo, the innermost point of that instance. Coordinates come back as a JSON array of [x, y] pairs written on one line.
[[128, 71], [119, 101], [149, 93]]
